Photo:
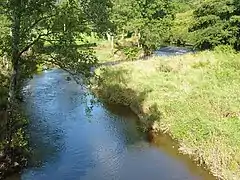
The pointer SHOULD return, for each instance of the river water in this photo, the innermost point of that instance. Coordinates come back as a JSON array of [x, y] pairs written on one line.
[[74, 139], [173, 51]]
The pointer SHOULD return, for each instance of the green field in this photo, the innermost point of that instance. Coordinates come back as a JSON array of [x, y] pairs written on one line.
[[194, 98]]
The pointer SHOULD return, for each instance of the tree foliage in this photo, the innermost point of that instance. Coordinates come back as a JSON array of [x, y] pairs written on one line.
[[48, 31], [150, 20], [45, 31], [217, 22]]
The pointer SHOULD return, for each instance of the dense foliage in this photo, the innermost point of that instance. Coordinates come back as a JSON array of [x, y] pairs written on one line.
[[148, 20], [204, 24], [217, 22]]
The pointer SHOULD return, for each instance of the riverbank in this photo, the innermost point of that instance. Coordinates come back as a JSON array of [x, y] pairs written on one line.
[[194, 98], [13, 155]]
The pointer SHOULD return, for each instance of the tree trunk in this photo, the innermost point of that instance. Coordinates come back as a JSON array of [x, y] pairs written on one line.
[[112, 43], [108, 36], [15, 31], [139, 37], [122, 36], [64, 27]]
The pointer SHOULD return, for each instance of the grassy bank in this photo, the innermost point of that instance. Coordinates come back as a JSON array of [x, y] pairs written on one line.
[[194, 98]]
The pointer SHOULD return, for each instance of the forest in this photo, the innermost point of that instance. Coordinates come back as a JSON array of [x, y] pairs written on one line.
[[197, 93]]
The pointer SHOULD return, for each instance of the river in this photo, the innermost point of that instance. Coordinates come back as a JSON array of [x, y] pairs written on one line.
[[74, 139], [173, 51]]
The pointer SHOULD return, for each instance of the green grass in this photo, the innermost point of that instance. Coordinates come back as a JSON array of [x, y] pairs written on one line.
[[105, 53], [124, 51], [103, 49], [194, 98]]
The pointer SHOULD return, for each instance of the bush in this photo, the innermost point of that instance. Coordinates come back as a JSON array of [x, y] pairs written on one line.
[[129, 48], [224, 49], [131, 53], [216, 23]]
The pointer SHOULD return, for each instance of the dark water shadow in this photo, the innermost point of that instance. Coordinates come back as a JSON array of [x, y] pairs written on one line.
[[135, 100], [51, 108], [166, 144], [127, 96]]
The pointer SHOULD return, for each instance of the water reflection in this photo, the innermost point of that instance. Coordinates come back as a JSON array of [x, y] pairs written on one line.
[[70, 144]]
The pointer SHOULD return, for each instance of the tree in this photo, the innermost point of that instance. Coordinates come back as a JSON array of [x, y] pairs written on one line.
[[47, 31], [217, 22], [149, 19]]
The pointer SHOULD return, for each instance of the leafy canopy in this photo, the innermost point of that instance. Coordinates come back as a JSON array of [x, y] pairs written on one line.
[[52, 31], [217, 22], [149, 19]]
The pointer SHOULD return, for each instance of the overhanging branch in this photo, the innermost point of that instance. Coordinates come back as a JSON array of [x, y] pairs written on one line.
[[38, 21], [29, 45], [32, 43], [62, 66]]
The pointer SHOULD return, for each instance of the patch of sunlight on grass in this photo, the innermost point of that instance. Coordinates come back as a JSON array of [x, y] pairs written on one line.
[[104, 52]]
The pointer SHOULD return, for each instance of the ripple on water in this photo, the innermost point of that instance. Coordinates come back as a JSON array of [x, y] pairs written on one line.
[[106, 144]]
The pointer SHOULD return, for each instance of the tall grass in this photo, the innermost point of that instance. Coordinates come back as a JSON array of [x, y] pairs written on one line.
[[194, 98]]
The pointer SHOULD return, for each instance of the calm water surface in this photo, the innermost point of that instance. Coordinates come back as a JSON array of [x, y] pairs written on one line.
[[72, 142], [173, 51]]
